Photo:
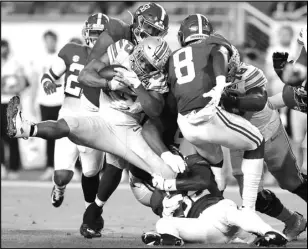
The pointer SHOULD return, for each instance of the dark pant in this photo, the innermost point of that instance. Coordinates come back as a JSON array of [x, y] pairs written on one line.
[[50, 113], [12, 143]]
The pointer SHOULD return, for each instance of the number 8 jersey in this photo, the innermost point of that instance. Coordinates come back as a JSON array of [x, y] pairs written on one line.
[[191, 73]]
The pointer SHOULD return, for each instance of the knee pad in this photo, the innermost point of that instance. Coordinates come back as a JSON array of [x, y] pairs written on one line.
[[268, 203], [62, 177], [258, 153]]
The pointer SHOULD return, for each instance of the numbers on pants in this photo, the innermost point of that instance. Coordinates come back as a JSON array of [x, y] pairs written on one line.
[[72, 86], [187, 63]]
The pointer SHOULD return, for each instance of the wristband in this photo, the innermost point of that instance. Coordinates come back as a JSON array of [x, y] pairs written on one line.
[[170, 185]]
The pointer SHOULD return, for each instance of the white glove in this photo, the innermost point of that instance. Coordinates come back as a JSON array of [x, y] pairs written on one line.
[[114, 84], [128, 78], [215, 92], [158, 181], [170, 204], [176, 163]]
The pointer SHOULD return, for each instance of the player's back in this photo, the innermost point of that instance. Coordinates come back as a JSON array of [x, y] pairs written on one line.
[[190, 75], [77, 95]]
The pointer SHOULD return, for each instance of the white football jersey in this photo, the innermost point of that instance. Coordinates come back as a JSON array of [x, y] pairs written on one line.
[[246, 78], [302, 37]]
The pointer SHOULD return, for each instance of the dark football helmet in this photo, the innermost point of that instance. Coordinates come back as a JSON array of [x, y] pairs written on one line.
[[194, 27], [93, 27], [150, 19]]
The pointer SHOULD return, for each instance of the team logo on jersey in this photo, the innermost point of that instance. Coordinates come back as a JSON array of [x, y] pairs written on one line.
[[76, 58]]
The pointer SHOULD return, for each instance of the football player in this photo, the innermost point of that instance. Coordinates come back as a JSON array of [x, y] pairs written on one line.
[[294, 94], [247, 97], [200, 67], [97, 131], [196, 211]]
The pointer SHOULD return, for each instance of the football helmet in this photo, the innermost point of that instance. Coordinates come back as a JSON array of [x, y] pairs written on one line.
[[150, 56], [93, 27], [150, 19], [194, 27]]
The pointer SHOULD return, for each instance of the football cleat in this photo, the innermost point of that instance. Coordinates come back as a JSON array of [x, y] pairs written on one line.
[[57, 196], [17, 127], [89, 233], [299, 226], [164, 239], [271, 239]]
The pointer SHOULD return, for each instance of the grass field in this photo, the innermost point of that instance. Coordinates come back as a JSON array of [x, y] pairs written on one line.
[[29, 220]]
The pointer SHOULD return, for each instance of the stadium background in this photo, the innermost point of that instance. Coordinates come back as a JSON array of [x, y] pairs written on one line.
[[251, 26]]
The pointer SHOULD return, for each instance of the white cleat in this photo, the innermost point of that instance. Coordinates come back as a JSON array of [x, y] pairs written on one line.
[[17, 127], [294, 230]]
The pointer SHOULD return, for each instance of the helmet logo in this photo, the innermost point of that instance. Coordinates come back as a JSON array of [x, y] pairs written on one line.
[[76, 58], [193, 28], [145, 7]]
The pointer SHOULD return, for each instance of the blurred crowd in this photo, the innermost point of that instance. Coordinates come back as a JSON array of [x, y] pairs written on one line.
[[47, 107]]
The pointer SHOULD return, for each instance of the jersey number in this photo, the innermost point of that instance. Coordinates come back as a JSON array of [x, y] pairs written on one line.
[[186, 62], [72, 83]]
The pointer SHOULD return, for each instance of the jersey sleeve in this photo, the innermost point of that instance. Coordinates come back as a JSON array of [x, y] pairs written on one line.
[[119, 51], [66, 52]]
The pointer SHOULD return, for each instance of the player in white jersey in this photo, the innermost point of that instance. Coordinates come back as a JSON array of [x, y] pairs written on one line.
[[247, 97], [294, 94]]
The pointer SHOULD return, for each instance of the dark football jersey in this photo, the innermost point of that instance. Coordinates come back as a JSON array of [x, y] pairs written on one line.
[[75, 57], [191, 73]]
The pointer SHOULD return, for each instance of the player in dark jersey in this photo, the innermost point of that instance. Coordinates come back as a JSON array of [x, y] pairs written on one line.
[[79, 100], [200, 67], [195, 211]]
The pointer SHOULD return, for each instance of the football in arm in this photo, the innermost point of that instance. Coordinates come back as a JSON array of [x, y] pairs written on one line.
[[108, 72]]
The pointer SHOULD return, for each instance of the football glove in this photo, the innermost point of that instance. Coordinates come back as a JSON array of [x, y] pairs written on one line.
[[50, 87], [176, 163], [128, 78], [280, 59], [158, 181], [171, 204]]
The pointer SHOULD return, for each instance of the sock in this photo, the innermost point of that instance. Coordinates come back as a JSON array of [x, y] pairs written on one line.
[[301, 191], [252, 173], [99, 202], [33, 130], [108, 182], [286, 216], [89, 187]]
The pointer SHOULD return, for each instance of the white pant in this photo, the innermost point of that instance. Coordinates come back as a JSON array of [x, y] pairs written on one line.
[[67, 152], [217, 224]]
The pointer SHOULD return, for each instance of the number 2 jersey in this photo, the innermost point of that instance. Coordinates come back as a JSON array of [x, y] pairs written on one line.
[[75, 57], [246, 78], [191, 73]]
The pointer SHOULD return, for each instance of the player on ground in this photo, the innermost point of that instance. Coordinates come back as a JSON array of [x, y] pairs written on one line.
[[198, 212], [247, 97], [200, 67]]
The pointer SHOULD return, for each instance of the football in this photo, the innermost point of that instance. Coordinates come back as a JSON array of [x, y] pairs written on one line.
[[108, 72]]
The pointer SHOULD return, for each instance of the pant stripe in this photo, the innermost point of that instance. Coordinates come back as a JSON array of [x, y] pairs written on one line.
[[239, 129]]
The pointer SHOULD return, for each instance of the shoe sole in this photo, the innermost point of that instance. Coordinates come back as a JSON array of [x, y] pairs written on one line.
[[12, 110]]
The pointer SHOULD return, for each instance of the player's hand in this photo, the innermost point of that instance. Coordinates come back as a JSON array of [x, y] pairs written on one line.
[[176, 163], [118, 103], [170, 204], [280, 59], [50, 87], [215, 94], [114, 84], [158, 181], [128, 78]]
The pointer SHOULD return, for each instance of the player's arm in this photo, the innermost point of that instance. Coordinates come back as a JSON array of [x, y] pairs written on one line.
[[100, 47], [254, 100], [89, 76], [276, 101], [220, 56], [49, 78]]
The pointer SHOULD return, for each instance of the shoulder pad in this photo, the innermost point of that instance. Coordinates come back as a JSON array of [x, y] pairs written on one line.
[[119, 51]]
